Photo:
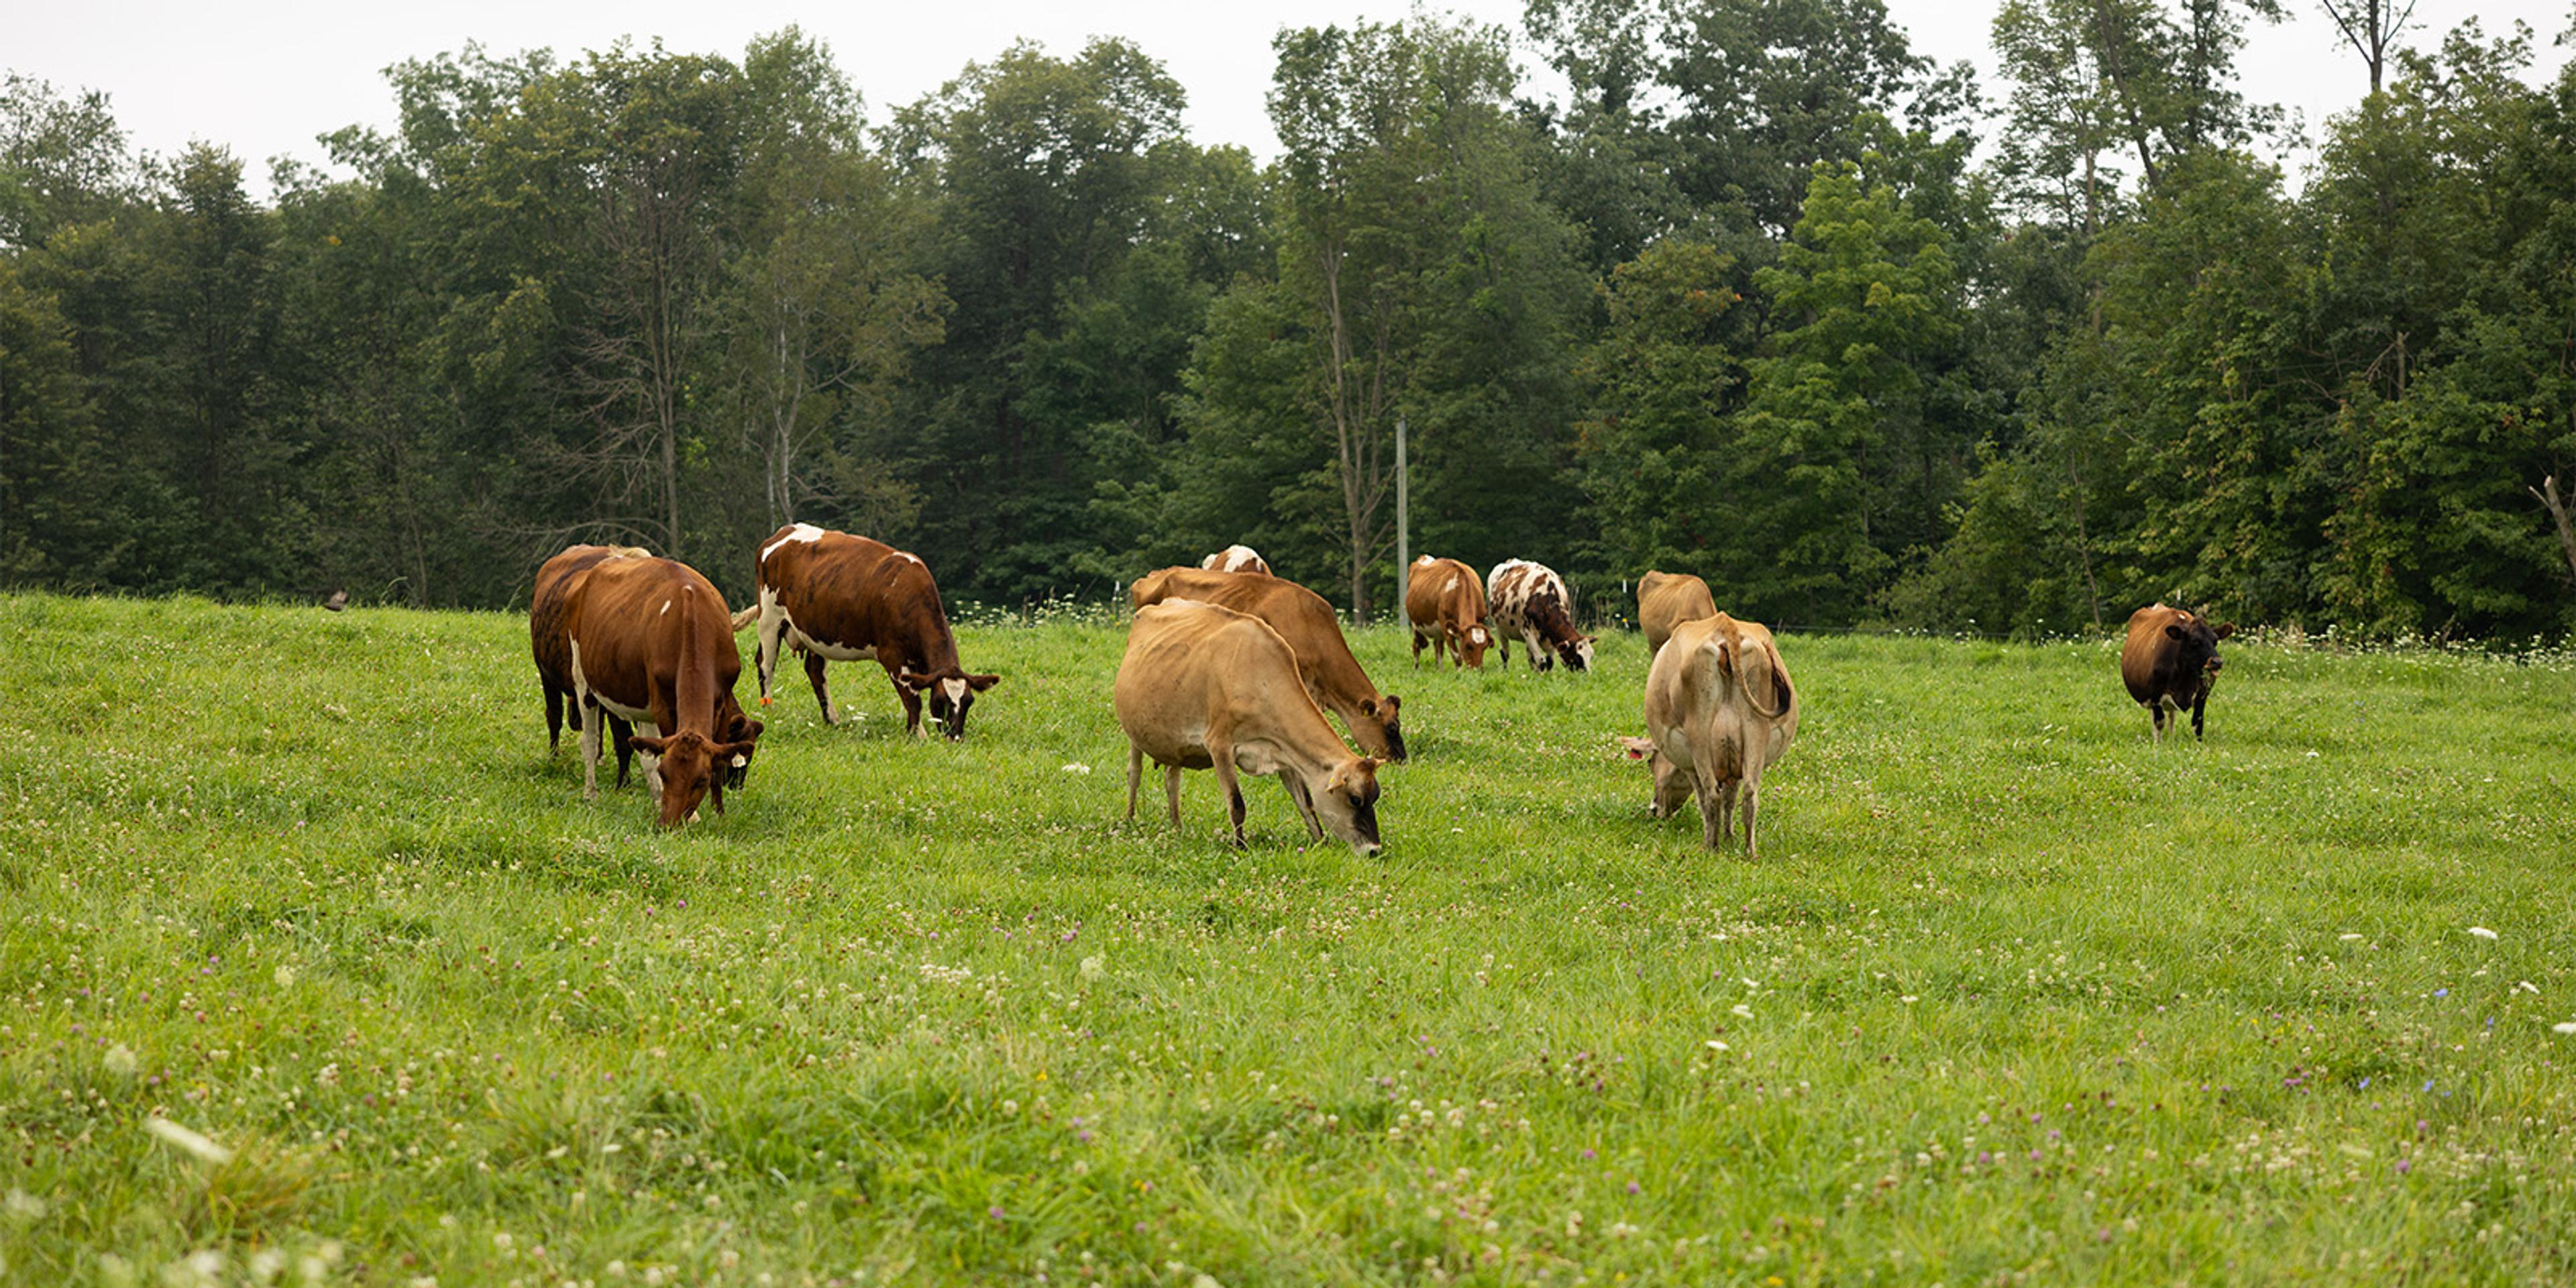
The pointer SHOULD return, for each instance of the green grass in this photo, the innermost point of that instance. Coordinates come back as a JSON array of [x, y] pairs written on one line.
[[2012, 996]]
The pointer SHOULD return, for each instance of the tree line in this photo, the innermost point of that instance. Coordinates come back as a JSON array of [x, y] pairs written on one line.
[[1761, 294]]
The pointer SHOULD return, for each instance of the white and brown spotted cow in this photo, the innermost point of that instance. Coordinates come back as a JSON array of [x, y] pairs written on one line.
[[1531, 601], [1236, 558], [842, 598], [1445, 603]]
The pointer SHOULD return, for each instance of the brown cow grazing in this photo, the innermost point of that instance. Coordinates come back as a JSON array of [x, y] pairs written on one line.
[[1446, 604], [1236, 558], [1206, 687], [1668, 599], [1303, 619], [650, 641], [553, 648], [2171, 660], [1720, 710], [842, 598], [1531, 601]]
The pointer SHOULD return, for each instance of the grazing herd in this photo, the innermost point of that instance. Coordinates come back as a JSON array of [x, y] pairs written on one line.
[[1228, 667]]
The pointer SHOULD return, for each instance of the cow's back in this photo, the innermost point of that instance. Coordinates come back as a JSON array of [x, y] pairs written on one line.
[[2146, 647], [1189, 661], [552, 597], [1665, 600], [627, 621]]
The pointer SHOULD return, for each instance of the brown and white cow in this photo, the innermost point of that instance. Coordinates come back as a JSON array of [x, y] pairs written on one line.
[[649, 640], [843, 598], [1303, 619], [1719, 710], [1445, 602], [1668, 599], [2170, 660], [553, 648], [1204, 687], [1531, 601], [1236, 558]]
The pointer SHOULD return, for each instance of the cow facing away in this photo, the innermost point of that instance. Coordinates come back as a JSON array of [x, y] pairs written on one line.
[[553, 648], [1204, 687], [1531, 601], [1324, 661], [1719, 710], [650, 641], [843, 598], [1236, 558], [2170, 662], [1668, 599], [1445, 602]]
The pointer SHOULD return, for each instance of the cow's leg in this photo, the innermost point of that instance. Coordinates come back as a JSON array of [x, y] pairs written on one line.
[[591, 731], [554, 716], [1417, 651], [1172, 792], [911, 707], [1672, 786], [2199, 704], [822, 694], [1135, 777], [621, 736], [773, 625], [653, 763], [1233, 789], [1305, 803], [1752, 798]]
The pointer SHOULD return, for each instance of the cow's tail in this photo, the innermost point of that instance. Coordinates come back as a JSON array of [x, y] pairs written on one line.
[[746, 617], [1779, 684]]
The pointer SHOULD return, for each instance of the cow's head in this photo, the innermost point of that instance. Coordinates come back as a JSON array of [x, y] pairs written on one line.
[[692, 767], [1471, 643], [743, 731], [1387, 714], [948, 694], [2195, 644], [1346, 804], [1577, 653]]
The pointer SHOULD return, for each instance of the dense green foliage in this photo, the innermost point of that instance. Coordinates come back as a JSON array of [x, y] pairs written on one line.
[[1762, 295], [2012, 993]]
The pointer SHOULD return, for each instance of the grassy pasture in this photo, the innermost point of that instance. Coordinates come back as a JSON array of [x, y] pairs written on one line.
[[2013, 995]]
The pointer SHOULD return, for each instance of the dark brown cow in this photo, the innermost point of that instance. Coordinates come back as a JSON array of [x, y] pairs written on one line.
[[845, 598], [1303, 619], [553, 648], [1531, 601], [1445, 602], [2171, 661], [649, 640]]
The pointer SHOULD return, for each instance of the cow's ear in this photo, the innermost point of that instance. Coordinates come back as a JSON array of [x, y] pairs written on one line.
[[2172, 632], [1389, 704], [752, 729], [2224, 630], [649, 746], [1637, 748], [913, 680], [733, 751], [979, 683]]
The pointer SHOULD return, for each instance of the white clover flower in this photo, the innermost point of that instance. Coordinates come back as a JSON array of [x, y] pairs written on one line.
[[2482, 932], [2568, 1027], [1742, 1011], [1093, 967], [22, 1206], [1077, 768], [2349, 936], [119, 1060], [1715, 1045], [284, 975]]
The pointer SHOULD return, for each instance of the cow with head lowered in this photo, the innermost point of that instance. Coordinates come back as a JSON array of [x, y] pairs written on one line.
[[1204, 687], [1531, 601], [1719, 711], [2170, 663], [1324, 659], [648, 640], [1445, 603], [843, 598]]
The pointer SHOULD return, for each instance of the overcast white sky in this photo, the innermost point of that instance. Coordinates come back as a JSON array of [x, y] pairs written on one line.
[[265, 79]]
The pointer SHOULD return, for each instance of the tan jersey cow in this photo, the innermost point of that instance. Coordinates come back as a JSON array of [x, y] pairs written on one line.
[[1236, 558], [1303, 619], [1668, 599], [845, 598], [1445, 602], [1206, 687], [1719, 710], [650, 641], [553, 648], [1531, 601], [2170, 662]]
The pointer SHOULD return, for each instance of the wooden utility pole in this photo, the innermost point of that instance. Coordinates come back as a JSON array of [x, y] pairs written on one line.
[[1403, 521]]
